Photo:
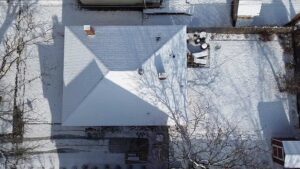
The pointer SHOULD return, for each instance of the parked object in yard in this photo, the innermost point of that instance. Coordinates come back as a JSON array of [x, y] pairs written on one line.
[[200, 61], [200, 54], [204, 46]]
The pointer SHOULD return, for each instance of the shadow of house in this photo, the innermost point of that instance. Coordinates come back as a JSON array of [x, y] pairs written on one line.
[[51, 66], [51, 57], [274, 120], [274, 13]]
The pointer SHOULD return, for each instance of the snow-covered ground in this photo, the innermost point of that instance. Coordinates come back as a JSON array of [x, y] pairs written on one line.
[[242, 85]]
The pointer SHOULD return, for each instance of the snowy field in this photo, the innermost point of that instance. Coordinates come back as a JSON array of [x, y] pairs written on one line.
[[242, 85]]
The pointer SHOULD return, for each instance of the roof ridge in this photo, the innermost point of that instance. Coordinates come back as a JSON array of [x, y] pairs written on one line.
[[107, 71], [104, 70], [84, 98]]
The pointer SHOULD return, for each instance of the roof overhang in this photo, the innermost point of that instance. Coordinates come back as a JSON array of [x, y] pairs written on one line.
[[292, 154]]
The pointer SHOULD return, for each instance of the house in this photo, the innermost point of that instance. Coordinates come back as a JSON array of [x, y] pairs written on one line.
[[122, 3], [244, 12], [286, 152], [118, 75]]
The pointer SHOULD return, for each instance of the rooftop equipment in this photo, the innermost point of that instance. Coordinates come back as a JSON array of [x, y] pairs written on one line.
[[89, 30]]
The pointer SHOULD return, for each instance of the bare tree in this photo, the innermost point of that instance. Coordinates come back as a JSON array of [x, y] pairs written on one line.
[[209, 141], [14, 51], [200, 136]]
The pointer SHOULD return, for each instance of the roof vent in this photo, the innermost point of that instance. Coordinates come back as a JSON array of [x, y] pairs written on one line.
[[157, 38], [162, 75], [89, 30], [141, 71]]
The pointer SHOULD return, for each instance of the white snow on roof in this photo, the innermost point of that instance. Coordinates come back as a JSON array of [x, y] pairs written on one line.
[[292, 154], [249, 8], [102, 86]]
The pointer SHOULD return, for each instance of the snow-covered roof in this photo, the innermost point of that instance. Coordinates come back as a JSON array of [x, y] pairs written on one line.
[[292, 154], [249, 8], [102, 86]]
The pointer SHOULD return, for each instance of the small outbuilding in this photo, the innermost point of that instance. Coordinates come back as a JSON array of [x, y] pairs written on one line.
[[122, 3], [244, 11], [286, 152]]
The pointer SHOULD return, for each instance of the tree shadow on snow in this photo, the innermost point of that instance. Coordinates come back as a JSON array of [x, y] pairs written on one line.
[[275, 13], [10, 14]]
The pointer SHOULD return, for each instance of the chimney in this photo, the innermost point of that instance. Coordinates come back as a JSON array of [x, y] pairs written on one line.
[[89, 30]]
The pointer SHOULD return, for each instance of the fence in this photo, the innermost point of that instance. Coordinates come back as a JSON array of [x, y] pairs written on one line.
[[242, 30]]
